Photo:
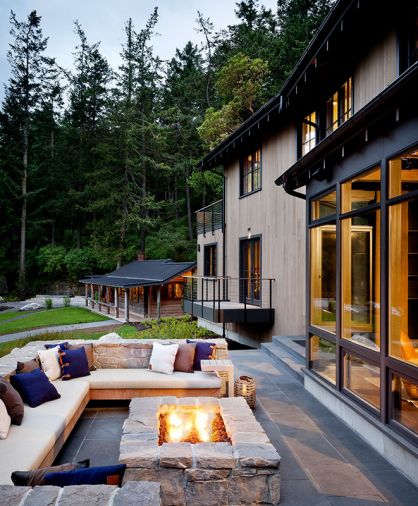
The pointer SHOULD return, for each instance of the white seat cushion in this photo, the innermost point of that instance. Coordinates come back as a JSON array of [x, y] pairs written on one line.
[[143, 378], [27, 445]]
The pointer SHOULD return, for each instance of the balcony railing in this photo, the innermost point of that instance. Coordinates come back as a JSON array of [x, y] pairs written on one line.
[[210, 218], [226, 299]]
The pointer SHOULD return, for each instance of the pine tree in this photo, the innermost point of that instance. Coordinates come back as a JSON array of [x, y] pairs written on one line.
[[31, 72]]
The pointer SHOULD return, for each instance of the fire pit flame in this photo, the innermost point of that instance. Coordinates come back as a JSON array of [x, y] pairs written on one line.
[[190, 424]]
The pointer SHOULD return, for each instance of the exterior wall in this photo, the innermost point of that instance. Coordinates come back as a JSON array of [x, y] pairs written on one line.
[[280, 220], [210, 238], [375, 71]]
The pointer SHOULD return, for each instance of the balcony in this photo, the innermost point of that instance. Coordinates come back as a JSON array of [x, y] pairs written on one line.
[[229, 300], [210, 218]]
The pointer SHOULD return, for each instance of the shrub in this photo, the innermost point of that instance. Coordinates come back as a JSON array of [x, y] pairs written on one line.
[[67, 301], [169, 328], [48, 303]]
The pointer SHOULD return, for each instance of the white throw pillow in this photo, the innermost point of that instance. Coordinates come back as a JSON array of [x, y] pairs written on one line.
[[110, 338], [163, 357], [50, 363], [5, 421]]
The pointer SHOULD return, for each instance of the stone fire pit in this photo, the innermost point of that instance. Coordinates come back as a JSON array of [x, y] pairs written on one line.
[[245, 471]]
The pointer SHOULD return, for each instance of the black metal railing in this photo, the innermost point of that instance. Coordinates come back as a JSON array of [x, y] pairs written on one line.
[[210, 218], [219, 292]]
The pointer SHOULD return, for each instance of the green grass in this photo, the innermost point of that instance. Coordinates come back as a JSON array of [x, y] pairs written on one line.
[[59, 316], [12, 314], [169, 328]]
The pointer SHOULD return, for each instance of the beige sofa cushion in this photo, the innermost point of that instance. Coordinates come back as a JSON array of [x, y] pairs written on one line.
[[143, 378], [27, 445]]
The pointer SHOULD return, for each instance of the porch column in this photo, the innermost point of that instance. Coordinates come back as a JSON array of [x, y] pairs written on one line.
[[92, 296], [100, 297], [116, 303], [127, 305], [108, 299], [86, 294], [159, 304]]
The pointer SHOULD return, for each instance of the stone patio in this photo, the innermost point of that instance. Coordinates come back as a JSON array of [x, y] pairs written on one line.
[[323, 462]]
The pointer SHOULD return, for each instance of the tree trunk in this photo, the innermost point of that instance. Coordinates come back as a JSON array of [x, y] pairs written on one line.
[[23, 216], [189, 210]]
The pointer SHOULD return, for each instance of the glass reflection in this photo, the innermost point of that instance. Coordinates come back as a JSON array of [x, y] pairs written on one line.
[[362, 379]]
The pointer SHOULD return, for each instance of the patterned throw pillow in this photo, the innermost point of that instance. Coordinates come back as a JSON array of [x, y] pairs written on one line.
[[105, 475], [13, 401], [204, 351], [74, 363], [34, 387], [37, 477]]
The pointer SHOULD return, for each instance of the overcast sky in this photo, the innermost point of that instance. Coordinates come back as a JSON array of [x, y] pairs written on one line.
[[103, 20]]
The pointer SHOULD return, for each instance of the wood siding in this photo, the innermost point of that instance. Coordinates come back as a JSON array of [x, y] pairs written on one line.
[[375, 71]]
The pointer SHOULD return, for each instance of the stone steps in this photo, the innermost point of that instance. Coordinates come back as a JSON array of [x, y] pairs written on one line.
[[286, 352]]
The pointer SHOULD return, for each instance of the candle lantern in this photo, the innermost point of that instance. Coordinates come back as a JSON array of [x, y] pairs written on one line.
[[245, 387]]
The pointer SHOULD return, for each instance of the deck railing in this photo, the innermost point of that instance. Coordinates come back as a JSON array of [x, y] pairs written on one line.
[[210, 218], [216, 291]]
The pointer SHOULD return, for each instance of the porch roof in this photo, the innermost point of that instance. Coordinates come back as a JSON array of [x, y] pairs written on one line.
[[141, 273]]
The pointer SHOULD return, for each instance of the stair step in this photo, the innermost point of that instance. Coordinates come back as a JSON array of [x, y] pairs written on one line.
[[292, 362], [289, 345]]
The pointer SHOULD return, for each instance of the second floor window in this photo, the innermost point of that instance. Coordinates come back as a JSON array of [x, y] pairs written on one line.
[[251, 172], [339, 107], [309, 132]]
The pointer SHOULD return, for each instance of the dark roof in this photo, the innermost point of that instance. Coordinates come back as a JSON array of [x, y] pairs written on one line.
[[141, 273], [278, 109]]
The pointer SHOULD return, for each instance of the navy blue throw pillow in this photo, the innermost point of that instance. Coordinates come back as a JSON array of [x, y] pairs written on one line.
[[74, 363], [34, 387], [63, 346], [204, 351], [105, 475]]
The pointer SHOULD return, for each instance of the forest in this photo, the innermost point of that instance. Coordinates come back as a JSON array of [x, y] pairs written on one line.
[[99, 164]]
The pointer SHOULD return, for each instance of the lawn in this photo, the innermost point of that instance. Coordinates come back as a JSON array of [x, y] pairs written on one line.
[[169, 328], [47, 318]]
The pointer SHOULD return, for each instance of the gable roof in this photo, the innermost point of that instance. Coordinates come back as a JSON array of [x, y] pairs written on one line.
[[345, 20], [141, 273]]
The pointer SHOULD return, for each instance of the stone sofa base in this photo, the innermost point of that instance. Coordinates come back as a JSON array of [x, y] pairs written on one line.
[[138, 493]]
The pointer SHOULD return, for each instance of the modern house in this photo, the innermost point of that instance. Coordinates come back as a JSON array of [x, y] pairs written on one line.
[[342, 135], [140, 289]]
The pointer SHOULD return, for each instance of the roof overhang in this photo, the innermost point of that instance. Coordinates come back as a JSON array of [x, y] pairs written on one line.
[[386, 103]]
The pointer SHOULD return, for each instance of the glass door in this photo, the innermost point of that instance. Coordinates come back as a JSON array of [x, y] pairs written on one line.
[[250, 283]]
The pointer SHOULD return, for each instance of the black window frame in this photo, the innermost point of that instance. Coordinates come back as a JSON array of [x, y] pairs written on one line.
[[209, 249], [242, 192]]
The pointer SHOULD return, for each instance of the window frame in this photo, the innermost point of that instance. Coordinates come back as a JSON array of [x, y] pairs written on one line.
[[206, 255], [242, 192]]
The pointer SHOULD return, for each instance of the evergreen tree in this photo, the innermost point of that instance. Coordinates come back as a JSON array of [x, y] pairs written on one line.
[[31, 72]]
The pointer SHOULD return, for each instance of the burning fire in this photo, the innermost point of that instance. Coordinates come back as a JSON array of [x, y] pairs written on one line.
[[190, 424]]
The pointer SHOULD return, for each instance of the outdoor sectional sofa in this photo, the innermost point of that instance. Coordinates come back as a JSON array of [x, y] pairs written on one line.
[[122, 373]]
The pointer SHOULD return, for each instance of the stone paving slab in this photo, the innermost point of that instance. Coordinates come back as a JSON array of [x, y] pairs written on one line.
[[323, 463]]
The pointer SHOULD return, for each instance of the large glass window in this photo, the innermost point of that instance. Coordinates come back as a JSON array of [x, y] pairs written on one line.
[[324, 206], [324, 277], [361, 191], [362, 379], [361, 279], [403, 173], [403, 281], [309, 133], [251, 172], [405, 402], [322, 357]]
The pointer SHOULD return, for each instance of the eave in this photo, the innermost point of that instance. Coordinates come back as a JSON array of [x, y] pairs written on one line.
[[388, 101]]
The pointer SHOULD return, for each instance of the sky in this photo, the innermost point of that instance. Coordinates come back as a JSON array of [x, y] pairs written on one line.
[[104, 20]]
